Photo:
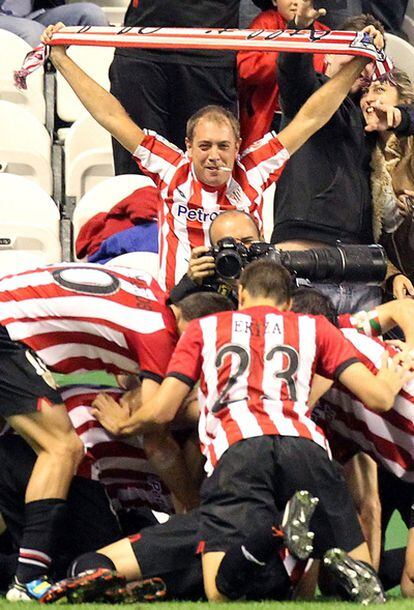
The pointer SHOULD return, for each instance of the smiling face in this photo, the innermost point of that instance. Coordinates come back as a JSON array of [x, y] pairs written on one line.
[[286, 8], [213, 145], [384, 91]]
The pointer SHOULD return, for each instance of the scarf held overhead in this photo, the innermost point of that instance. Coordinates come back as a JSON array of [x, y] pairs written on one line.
[[295, 41]]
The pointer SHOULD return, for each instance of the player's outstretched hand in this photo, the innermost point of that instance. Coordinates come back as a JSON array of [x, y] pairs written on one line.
[[46, 37], [110, 413]]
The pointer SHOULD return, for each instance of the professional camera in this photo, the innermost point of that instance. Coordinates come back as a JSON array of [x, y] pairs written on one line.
[[353, 263]]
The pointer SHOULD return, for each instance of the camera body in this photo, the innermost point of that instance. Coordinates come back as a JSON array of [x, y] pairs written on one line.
[[344, 262]]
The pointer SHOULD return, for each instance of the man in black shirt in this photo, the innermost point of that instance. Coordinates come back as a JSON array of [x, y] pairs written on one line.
[[162, 89]]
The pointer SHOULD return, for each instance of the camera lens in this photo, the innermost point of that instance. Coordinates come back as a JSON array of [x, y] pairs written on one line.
[[228, 264]]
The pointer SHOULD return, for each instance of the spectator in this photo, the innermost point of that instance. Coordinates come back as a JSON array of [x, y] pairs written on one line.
[[324, 194], [257, 72], [392, 163], [28, 18], [162, 89]]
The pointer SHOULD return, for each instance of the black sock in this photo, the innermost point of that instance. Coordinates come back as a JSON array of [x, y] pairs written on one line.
[[43, 525], [391, 567], [8, 564], [89, 561], [242, 561]]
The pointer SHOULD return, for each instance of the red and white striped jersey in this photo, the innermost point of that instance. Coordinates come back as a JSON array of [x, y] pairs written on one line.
[[256, 368], [388, 437], [121, 465], [81, 317], [188, 206]]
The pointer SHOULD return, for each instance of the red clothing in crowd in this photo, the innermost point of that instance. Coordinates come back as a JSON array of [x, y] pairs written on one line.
[[258, 86]]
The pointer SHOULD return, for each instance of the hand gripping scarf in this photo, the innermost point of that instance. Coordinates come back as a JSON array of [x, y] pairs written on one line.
[[295, 41]]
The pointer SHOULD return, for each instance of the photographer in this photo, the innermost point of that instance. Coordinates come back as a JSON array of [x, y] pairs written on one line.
[[201, 269], [236, 242]]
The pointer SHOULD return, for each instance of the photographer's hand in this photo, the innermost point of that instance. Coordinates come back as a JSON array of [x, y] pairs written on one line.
[[200, 266]]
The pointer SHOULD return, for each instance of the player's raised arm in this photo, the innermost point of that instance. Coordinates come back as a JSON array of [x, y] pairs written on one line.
[[101, 104]]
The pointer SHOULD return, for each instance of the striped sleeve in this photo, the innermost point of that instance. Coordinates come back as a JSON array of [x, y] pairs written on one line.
[[335, 353], [158, 158], [186, 361], [264, 161]]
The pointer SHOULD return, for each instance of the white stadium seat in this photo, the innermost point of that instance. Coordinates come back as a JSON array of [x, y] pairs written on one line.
[[401, 53], [88, 156], [103, 196], [95, 61], [25, 145], [29, 225], [12, 52], [144, 261]]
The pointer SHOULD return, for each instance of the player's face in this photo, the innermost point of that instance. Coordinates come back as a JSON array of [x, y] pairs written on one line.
[[214, 146], [335, 63], [286, 8], [386, 92]]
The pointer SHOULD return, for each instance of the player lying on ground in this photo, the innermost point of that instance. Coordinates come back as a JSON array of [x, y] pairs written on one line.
[[165, 562]]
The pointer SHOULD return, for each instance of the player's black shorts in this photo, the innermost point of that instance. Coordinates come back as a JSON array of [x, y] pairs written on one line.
[[395, 494], [256, 477], [24, 378], [169, 550]]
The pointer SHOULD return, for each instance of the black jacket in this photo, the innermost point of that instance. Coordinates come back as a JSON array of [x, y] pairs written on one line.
[[324, 192], [44, 4]]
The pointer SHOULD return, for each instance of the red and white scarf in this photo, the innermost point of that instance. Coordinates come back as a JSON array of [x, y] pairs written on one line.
[[295, 41]]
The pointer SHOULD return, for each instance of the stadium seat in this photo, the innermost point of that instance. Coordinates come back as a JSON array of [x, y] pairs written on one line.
[[29, 226], [12, 51], [402, 54], [267, 212], [25, 145], [88, 156], [144, 261], [95, 61], [103, 196]]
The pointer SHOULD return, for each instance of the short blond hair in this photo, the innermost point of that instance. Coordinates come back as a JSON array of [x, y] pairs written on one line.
[[218, 114]]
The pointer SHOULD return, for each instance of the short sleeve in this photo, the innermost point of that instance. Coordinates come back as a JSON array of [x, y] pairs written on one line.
[[153, 351], [158, 158], [335, 353], [185, 363], [264, 161]]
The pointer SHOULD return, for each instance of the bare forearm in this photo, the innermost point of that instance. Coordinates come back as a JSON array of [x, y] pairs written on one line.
[[398, 313]]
